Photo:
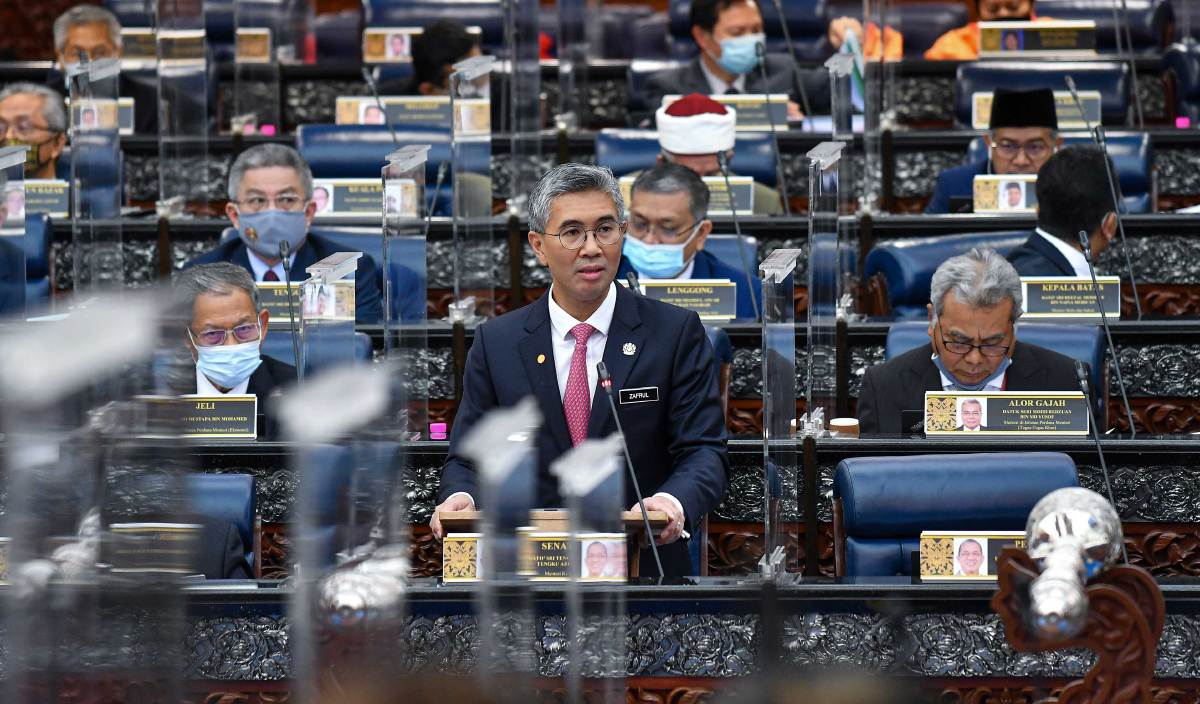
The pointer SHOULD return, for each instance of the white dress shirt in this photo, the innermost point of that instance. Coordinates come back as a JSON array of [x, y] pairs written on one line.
[[204, 387], [718, 85], [1074, 256], [261, 268]]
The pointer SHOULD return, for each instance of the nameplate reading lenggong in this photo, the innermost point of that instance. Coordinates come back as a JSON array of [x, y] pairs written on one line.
[[220, 416], [711, 299], [967, 414]]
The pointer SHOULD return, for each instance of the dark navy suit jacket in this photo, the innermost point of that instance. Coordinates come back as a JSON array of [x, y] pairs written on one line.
[[1037, 257], [367, 298], [709, 267], [677, 443], [958, 182]]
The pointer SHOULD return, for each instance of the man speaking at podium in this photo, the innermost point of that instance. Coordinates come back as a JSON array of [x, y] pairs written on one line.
[[549, 349]]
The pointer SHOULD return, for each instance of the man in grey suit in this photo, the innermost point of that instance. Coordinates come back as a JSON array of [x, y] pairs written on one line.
[[726, 31]]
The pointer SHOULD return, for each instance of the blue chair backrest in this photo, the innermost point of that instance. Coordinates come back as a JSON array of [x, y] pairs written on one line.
[[485, 14], [228, 498], [908, 264], [887, 501], [1110, 79], [725, 248], [97, 164], [625, 151], [38, 234], [407, 265], [1149, 20], [1132, 154], [807, 22], [360, 151], [279, 346], [1183, 61]]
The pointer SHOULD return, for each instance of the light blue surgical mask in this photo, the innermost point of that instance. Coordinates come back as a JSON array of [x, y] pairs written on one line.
[[957, 385], [229, 365], [263, 231], [739, 55], [658, 261]]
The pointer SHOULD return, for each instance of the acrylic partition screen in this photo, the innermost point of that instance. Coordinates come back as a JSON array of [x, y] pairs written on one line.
[[474, 260], [97, 181], [780, 459], [523, 96], [13, 279], [824, 274], [183, 109], [267, 34]]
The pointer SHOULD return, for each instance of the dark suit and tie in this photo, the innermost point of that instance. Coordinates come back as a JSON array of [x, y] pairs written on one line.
[[781, 78], [954, 184], [266, 382], [1037, 257]]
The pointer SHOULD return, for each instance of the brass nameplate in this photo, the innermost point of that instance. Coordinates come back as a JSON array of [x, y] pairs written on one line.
[[390, 45], [752, 109], [1012, 193], [220, 416], [711, 299], [153, 547], [551, 557], [1070, 297], [50, 196], [348, 197], [138, 44], [461, 557], [94, 114], [273, 295], [742, 188], [430, 110], [952, 555], [182, 46], [966, 414], [253, 45], [1016, 40], [1067, 111]]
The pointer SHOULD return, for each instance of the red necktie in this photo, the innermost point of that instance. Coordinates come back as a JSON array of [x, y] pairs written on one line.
[[270, 275], [577, 402]]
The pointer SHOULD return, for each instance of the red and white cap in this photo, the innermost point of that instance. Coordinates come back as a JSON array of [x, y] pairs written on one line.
[[696, 124]]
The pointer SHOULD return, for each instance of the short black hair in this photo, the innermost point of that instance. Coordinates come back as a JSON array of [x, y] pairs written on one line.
[[705, 13], [443, 43], [1011, 185], [669, 177], [1073, 192]]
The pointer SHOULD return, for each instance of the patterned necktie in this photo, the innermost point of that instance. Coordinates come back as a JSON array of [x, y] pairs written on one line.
[[577, 402], [270, 275]]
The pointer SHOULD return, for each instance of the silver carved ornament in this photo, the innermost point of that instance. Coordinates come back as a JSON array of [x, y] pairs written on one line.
[[1074, 534], [372, 589]]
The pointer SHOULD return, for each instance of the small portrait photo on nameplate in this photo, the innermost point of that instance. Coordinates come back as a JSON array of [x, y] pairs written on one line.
[[1065, 108], [230, 416], [95, 114], [711, 299], [1005, 413], [602, 557], [347, 197], [1010, 194], [1070, 298], [49, 196], [125, 116], [14, 206], [752, 109], [388, 45], [372, 113], [472, 116], [964, 555], [332, 301], [425, 110], [253, 45], [461, 558], [1057, 38], [400, 198]]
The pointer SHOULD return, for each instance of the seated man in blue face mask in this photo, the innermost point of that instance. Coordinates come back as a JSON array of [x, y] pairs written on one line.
[[975, 300], [270, 203], [225, 334], [668, 205]]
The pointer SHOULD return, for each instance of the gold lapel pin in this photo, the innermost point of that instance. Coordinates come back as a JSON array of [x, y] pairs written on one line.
[[541, 358]]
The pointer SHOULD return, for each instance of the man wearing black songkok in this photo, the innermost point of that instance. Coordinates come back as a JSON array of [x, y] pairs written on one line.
[[1022, 134]]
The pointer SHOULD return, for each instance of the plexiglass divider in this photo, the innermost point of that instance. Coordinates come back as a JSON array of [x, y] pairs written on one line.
[[780, 456], [591, 479], [824, 275], [470, 162], [13, 280], [405, 331], [183, 110], [878, 78], [524, 104], [574, 48], [267, 35], [97, 183], [327, 313]]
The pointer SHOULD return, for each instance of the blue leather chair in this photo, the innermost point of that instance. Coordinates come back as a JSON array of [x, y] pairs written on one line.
[[1150, 21], [330, 472], [1181, 68], [38, 234], [1132, 154], [279, 346], [485, 14], [625, 151], [907, 265], [1110, 79], [230, 498], [1082, 342], [725, 248], [807, 22], [407, 267], [100, 162], [881, 504], [339, 36]]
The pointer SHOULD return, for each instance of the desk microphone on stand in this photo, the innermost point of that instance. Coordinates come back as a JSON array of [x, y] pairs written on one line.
[[1082, 375], [370, 80], [723, 160], [1087, 255], [762, 65], [285, 249], [791, 49]]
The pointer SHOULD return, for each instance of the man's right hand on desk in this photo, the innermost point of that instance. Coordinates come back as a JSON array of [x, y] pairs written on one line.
[[456, 502]]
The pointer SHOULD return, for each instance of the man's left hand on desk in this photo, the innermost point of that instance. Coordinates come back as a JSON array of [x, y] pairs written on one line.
[[674, 528]]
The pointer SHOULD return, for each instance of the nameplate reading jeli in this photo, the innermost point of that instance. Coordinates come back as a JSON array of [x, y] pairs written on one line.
[[1070, 297], [711, 299], [965, 414], [220, 416]]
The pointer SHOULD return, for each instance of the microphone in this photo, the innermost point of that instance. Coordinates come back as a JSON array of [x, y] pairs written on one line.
[[443, 167], [1098, 138], [285, 248], [1126, 53], [791, 49], [1082, 376], [723, 161], [606, 384], [1087, 255], [370, 80], [634, 284], [762, 65]]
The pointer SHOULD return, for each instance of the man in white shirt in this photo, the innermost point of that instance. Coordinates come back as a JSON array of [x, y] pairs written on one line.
[[657, 354], [1073, 196]]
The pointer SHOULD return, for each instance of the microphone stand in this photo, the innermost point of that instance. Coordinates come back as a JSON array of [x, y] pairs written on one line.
[[606, 384], [634, 284], [1098, 138], [1087, 255], [787, 40], [762, 65], [443, 167], [737, 228], [284, 250], [1081, 374], [1125, 50], [370, 81]]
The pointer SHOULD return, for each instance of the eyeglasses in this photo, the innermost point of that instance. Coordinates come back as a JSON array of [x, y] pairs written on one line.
[[288, 201], [212, 338], [1035, 150], [606, 233], [964, 348], [642, 229], [102, 51], [22, 127]]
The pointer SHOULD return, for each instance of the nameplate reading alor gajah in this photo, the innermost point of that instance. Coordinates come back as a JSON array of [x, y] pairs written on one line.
[[219, 416], [752, 115], [961, 555], [742, 188], [711, 299], [966, 414], [1070, 297], [1058, 38], [1067, 111], [275, 300]]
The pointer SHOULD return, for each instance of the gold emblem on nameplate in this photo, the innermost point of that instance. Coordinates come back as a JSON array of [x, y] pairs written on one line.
[[459, 559], [629, 349], [541, 358], [938, 555], [940, 414]]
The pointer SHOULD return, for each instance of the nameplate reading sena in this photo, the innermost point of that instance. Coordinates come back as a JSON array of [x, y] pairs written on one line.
[[968, 414], [1068, 298], [961, 555], [711, 299], [233, 416]]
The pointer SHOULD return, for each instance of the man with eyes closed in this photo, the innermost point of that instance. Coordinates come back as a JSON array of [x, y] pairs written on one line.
[[975, 300]]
